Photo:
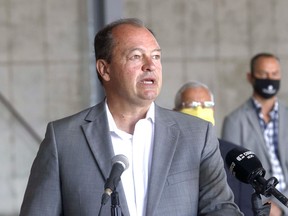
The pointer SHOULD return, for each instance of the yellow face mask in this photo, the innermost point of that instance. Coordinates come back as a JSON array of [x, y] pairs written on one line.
[[203, 113]]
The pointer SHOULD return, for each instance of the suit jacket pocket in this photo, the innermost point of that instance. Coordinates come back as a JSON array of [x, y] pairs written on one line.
[[183, 176]]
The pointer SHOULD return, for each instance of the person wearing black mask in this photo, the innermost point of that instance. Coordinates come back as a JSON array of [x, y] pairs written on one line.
[[260, 124]]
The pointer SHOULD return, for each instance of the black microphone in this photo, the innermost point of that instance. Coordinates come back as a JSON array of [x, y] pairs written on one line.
[[247, 168], [119, 165]]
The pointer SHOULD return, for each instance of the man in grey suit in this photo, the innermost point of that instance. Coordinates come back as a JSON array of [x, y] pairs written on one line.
[[175, 163], [260, 124]]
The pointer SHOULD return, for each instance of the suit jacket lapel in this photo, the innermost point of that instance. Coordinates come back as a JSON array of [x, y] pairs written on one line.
[[98, 137], [252, 119], [165, 142]]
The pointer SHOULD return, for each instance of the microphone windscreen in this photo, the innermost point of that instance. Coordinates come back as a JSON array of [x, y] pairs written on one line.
[[244, 164], [122, 159]]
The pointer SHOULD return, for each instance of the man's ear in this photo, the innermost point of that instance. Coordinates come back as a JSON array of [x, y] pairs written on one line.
[[249, 77], [103, 69]]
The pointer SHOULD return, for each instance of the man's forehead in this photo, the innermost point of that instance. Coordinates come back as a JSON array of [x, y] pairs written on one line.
[[122, 31], [267, 61], [135, 38], [196, 94]]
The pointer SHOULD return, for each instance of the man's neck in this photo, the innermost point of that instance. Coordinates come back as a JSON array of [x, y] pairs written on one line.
[[266, 105], [126, 119]]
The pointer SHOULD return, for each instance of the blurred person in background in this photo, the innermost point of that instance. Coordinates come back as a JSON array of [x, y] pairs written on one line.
[[195, 98], [261, 123]]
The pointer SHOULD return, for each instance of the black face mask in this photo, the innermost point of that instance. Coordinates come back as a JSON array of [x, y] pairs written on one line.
[[266, 88]]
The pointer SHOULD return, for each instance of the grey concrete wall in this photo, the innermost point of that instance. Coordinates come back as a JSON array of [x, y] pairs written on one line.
[[44, 63], [43, 74], [212, 41]]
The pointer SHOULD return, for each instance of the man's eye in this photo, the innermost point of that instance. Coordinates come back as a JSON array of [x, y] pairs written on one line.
[[157, 57], [275, 74], [136, 57]]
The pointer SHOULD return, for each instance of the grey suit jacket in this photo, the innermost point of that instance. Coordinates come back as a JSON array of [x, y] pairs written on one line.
[[242, 128], [187, 175]]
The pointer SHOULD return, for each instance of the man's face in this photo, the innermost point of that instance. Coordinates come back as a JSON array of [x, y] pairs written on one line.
[[267, 68], [195, 101], [135, 71], [265, 78]]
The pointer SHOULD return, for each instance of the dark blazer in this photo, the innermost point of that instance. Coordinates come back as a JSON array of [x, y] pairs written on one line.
[[242, 192], [242, 128], [187, 174]]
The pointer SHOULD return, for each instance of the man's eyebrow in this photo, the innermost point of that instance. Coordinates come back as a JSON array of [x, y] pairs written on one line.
[[157, 50], [136, 49], [140, 49]]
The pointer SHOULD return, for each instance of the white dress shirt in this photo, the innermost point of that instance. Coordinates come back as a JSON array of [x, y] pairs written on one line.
[[137, 148]]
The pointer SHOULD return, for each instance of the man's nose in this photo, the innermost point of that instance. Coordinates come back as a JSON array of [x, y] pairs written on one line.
[[148, 64]]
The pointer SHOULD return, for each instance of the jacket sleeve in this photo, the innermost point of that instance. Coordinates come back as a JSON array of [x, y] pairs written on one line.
[[214, 191], [43, 195]]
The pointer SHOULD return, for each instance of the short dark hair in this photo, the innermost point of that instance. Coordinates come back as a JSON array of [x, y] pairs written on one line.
[[104, 42], [260, 55]]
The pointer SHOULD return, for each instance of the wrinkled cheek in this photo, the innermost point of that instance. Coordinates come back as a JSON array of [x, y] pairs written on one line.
[[160, 80]]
